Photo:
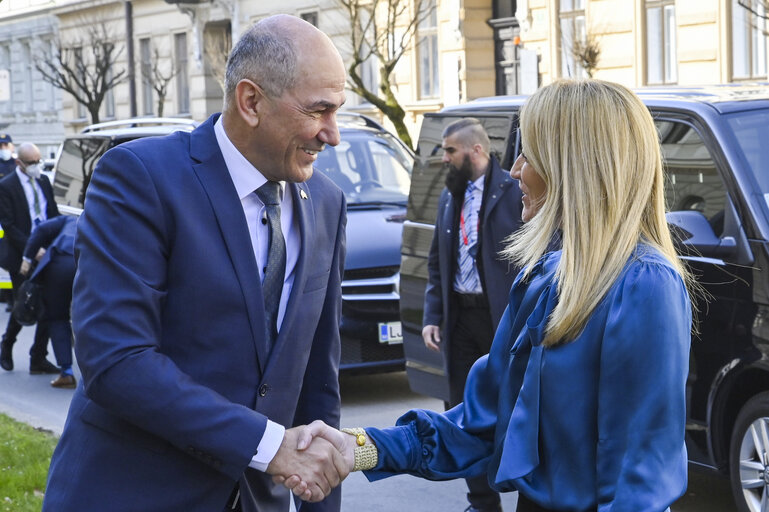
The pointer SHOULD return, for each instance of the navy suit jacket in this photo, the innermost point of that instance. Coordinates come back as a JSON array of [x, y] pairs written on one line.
[[57, 235], [168, 318], [14, 217], [501, 212]]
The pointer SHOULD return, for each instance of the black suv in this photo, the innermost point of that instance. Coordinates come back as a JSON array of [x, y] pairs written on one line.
[[373, 169], [715, 144]]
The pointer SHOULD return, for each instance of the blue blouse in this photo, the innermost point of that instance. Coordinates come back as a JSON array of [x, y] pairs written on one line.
[[595, 424]]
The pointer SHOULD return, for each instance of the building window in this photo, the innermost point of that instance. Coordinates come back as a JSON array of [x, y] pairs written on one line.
[[182, 78], [145, 63], [26, 52], [310, 17], [661, 61], [81, 110], [427, 50], [109, 97], [749, 26], [5, 80], [572, 23]]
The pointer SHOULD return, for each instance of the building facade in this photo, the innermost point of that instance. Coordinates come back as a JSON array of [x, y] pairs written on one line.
[[464, 49]]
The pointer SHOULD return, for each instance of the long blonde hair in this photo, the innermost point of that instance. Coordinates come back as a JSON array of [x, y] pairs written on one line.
[[595, 146]]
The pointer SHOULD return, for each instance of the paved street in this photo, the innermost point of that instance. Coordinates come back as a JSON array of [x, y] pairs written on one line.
[[366, 401]]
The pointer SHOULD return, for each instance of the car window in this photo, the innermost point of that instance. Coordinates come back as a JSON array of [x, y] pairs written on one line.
[[750, 130], [429, 173], [692, 181], [74, 167], [368, 167]]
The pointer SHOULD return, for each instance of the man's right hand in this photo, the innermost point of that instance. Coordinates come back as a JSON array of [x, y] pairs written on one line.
[[321, 464], [432, 336]]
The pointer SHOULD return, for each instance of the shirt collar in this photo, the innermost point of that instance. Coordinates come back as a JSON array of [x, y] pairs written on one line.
[[245, 176], [22, 175]]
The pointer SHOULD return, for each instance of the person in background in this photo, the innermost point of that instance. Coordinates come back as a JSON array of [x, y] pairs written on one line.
[[26, 200], [468, 282], [581, 403], [52, 245], [7, 160], [207, 299]]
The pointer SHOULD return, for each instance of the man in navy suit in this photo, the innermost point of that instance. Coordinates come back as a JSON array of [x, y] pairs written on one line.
[[194, 384], [26, 199], [468, 282]]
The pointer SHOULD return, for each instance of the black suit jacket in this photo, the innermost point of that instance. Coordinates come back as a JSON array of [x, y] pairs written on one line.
[[14, 218]]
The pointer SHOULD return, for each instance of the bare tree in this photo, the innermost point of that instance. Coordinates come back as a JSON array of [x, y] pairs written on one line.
[[84, 67], [382, 30], [159, 78], [587, 52], [216, 49]]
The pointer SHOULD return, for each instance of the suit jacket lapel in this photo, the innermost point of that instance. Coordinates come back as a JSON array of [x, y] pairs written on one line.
[[212, 173], [498, 183]]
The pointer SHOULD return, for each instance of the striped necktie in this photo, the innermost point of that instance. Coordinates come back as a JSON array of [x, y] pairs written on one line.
[[272, 286], [37, 199], [468, 275]]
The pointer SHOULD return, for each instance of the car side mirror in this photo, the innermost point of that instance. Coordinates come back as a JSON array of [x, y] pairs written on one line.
[[694, 236]]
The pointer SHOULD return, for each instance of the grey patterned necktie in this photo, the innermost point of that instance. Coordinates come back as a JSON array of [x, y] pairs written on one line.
[[272, 286]]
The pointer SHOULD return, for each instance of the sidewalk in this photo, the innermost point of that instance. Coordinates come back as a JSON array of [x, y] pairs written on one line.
[[30, 398]]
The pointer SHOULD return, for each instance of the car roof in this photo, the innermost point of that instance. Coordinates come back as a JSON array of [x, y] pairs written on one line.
[[723, 98], [137, 127]]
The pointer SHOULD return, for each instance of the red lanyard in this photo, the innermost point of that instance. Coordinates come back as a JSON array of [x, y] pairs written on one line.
[[462, 225]]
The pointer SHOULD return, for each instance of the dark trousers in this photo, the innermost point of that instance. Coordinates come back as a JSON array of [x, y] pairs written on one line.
[[471, 337], [40, 345], [57, 277]]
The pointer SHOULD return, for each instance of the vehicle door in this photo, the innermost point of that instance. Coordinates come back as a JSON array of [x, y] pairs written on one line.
[[427, 369], [707, 213]]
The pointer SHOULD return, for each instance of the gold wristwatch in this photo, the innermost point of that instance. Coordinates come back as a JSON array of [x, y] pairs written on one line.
[[366, 454]]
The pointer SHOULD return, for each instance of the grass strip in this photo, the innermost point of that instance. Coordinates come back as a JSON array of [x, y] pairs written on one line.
[[25, 453]]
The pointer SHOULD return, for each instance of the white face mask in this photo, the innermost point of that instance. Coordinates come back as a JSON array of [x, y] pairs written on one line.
[[5, 154], [33, 170]]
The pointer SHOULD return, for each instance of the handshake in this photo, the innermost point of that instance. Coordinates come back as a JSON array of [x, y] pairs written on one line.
[[314, 459]]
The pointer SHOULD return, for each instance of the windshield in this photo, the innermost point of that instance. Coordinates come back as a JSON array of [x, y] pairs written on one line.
[[750, 130], [368, 167]]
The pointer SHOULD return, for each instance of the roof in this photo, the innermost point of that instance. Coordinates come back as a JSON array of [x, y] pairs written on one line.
[[723, 98]]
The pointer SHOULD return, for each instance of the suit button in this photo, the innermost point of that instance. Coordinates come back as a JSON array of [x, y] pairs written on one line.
[[263, 389]]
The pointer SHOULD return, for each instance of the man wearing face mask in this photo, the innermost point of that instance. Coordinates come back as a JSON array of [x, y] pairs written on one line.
[[26, 199], [7, 163], [468, 283]]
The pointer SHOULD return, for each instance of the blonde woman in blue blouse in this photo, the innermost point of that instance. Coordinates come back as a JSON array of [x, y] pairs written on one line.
[[580, 406]]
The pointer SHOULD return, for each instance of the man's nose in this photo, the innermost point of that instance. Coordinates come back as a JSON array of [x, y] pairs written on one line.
[[329, 133], [445, 158]]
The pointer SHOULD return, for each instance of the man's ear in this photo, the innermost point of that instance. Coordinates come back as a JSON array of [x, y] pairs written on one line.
[[249, 99]]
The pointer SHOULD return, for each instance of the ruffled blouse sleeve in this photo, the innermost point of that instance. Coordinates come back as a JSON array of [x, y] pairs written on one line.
[[641, 457]]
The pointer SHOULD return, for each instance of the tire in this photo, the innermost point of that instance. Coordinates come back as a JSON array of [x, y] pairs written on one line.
[[749, 456]]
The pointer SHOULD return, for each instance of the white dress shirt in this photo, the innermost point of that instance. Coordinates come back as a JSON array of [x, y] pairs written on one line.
[[247, 179], [30, 190]]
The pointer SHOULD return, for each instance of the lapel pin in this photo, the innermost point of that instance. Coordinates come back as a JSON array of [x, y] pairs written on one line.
[[302, 194]]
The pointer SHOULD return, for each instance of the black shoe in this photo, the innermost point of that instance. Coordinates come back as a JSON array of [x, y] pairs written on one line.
[[495, 508], [44, 366], [6, 359]]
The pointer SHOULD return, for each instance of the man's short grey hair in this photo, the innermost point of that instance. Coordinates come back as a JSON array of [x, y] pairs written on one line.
[[472, 132], [265, 56]]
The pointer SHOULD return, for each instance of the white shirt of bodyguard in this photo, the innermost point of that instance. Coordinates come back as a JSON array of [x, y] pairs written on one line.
[[30, 190], [247, 179]]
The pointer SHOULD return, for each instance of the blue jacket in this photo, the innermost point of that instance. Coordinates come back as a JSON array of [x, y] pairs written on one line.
[[595, 424], [57, 235], [168, 316], [501, 212]]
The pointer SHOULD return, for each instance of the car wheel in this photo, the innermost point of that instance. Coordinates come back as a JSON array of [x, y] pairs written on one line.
[[749, 455]]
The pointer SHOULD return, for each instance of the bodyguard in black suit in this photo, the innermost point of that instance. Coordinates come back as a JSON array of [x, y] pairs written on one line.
[[26, 199], [468, 282]]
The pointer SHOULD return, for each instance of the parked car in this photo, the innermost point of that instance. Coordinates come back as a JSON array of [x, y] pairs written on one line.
[[370, 165], [715, 144]]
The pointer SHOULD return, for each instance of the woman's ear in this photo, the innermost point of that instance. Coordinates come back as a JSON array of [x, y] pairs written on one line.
[[249, 98]]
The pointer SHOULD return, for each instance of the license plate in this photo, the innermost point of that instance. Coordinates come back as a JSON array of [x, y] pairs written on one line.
[[390, 333]]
